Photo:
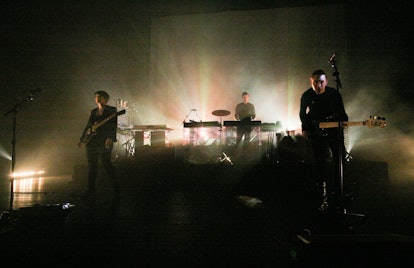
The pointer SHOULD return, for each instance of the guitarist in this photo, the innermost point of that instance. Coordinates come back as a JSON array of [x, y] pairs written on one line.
[[321, 103], [99, 142]]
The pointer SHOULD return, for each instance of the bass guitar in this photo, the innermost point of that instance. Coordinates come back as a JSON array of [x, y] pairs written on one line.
[[372, 121], [90, 132]]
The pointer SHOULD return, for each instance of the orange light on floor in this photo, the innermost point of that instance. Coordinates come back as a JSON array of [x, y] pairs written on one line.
[[27, 174]]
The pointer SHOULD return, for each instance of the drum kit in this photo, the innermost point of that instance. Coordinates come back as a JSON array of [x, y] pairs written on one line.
[[121, 103], [124, 133], [221, 113]]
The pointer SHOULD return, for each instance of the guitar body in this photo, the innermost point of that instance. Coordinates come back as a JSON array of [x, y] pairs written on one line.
[[89, 133], [323, 129], [92, 131]]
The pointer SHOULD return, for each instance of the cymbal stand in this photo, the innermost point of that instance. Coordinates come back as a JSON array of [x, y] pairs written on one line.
[[223, 156], [129, 146]]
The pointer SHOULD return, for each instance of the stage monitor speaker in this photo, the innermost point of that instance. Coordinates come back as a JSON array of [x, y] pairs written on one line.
[[355, 250]]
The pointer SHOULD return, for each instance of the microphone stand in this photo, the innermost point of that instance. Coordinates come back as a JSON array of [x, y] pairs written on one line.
[[186, 117], [340, 170], [14, 111], [335, 73]]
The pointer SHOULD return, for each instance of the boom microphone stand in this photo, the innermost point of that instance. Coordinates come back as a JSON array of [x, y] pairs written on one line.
[[341, 208], [14, 111]]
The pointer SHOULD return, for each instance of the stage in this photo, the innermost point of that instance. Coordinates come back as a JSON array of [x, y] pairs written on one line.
[[175, 211]]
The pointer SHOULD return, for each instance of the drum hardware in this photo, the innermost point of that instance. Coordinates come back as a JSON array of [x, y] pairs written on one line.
[[222, 155], [225, 158], [127, 134]]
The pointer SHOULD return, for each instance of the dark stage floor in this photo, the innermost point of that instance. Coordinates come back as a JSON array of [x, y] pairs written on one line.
[[172, 212]]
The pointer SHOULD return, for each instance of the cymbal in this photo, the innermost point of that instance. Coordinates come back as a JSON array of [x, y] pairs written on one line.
[[221, 112]]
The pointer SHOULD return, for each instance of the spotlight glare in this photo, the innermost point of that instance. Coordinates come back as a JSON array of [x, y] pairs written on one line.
[[4, 153]]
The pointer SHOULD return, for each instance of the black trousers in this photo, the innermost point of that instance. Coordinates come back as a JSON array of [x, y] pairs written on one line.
[[243, 130], [325, 166], [94, 154]]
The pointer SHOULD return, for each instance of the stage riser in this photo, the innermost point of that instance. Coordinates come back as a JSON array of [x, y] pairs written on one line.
[[367, 186]]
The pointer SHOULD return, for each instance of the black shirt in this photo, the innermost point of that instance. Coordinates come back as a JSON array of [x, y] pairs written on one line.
[[325, 107], [106, 130]]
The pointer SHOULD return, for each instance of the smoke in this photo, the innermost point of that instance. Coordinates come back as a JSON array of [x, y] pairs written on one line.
[[394, 143]]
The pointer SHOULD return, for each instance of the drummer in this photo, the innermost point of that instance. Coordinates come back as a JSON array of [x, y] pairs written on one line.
[[245, 113]]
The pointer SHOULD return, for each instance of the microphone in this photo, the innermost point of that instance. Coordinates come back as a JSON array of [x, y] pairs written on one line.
[[332, 58]]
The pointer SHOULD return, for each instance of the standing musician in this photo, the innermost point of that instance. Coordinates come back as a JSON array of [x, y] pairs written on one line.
[[99, 143], [245, 113], [321, 103]]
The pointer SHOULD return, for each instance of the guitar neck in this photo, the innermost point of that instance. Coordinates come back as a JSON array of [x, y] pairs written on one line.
[[94, 127], [97, 125], [105, 120], [337, 124], [373, 121]]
